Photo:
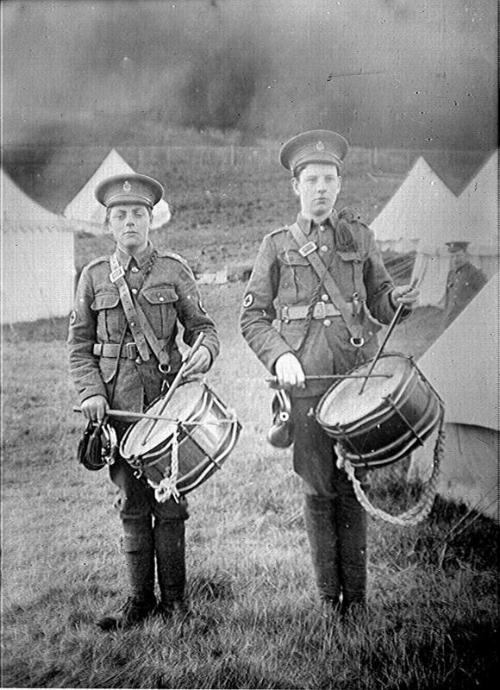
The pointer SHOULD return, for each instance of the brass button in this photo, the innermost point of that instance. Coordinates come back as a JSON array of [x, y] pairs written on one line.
[[327, 322], [324, 298], [161, 298], [134, 291], [134, 269], [322, 228], [324, 248], [138, 360]]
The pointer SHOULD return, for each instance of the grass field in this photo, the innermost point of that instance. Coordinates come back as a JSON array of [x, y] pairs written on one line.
[[255, 620]]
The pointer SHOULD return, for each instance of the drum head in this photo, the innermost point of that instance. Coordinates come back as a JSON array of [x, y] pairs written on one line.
[[147, 434], [343, 404]]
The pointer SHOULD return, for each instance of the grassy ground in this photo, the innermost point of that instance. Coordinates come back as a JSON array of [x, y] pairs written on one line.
[[255, 619]]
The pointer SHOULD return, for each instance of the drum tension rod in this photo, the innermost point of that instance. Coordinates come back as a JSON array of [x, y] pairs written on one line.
[[411, 428]]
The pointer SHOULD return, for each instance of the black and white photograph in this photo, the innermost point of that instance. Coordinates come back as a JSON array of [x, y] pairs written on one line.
[[250, 317]]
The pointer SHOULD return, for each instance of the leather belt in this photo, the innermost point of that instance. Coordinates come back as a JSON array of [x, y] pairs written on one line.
[[128, 350], [321, 311]]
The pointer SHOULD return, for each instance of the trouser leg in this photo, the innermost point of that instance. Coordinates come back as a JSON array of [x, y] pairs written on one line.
[[342, 535], [320, 527], [169, 540], [351, 530], [138, 548], [133, 504]]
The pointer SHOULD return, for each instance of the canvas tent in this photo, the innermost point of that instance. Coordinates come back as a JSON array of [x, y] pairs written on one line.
[[88, 214], [474, 219], [423, 203], [463, 366], [37, 259]]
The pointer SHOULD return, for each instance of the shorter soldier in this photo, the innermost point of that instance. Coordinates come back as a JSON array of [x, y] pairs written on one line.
[[321, 330], [463, 282], [118, 360]]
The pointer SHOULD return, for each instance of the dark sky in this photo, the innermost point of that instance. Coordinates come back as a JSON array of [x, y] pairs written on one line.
[[415, 73]]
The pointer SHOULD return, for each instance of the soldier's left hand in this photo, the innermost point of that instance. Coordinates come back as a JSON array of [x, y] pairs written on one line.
[[199, 363], [405, 294]]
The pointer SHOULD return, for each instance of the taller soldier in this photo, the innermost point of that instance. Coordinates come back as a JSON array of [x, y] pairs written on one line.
[[123, 352], [322, 329]]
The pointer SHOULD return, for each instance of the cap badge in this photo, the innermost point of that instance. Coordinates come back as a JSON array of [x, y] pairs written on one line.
[[126, 186], [320, 146]]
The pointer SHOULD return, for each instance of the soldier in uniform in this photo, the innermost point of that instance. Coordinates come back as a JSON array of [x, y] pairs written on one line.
[[463, 282], [112, 363], [316, 335]]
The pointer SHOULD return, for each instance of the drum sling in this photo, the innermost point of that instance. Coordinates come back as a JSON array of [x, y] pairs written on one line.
[[141, 329], [308, 250]]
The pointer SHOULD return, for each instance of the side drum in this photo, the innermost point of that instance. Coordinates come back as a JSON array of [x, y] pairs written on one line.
[[197, 422], [396, 412]]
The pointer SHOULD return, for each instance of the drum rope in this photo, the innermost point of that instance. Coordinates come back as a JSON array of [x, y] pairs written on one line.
[[423, 507], [167, 487]]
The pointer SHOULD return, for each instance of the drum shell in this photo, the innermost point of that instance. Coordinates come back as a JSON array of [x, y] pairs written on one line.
[[402, 421], [204, 443]]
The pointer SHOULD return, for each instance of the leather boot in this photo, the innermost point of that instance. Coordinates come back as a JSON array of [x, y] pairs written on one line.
[[138, 547], [320, 526], [351, 530], [169, 540]]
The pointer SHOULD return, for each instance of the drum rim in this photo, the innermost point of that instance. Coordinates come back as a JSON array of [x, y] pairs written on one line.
[[155, 449], [374, 459], [377, 411], [379, 414]]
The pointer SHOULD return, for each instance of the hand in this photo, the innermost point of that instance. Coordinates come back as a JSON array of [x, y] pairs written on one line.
[[95, 408], [289, 371], [405, 294], [199, 363]]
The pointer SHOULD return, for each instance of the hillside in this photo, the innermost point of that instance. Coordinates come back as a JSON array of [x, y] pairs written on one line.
[[223, 197]]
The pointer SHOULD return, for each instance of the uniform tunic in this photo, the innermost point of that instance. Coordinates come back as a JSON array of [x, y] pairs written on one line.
[[165, 288], [282, 277], [462, 285]]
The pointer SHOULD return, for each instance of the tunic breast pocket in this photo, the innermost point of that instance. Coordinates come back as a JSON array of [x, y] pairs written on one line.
[[159, 306], [110, 317], [296, 277]]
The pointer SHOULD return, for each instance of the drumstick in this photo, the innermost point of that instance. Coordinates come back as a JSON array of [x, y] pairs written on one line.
[[124, 414], [394, 321], [175, 382], [324, 377]]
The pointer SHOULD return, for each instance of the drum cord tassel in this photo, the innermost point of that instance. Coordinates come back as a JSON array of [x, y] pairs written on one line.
[[167, 487], [424, 505]]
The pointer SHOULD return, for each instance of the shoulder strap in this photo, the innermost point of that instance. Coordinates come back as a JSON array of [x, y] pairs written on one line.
[[308, 250], [140, 327]]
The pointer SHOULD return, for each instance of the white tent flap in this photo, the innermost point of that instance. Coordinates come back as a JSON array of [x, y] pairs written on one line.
[[469, 467], [37, 259], [463, 362]]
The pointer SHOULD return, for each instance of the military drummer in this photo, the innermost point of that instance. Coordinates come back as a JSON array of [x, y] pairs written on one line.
[[120, 360], [323, 329]]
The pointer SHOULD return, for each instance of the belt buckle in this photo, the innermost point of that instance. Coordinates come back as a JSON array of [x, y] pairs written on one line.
[[320, 310], [131, 350]]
